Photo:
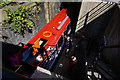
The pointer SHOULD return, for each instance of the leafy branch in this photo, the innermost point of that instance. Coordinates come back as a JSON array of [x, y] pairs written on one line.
[[5, 3], [20, 18]]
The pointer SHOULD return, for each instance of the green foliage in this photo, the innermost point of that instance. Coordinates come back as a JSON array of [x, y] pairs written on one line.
[[5, 3], [20, 18], [8, 10], [38, 9], [7, 25]]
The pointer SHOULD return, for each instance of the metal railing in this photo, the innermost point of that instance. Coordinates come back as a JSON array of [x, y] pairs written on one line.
[[94, 13]]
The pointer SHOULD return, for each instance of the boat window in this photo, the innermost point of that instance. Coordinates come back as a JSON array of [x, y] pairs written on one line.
[[60, 42], [40, 42], [26, 54]]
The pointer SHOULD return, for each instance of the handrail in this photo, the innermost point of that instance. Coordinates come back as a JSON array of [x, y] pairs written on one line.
[[98, 9], [87, 13], [94, 14], [101, 11], [91, 10]]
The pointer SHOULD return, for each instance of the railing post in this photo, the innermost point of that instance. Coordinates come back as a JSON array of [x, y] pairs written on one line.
[[86, 19]]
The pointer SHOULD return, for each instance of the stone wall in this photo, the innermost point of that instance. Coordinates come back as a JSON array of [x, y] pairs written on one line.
[[112, 54]]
